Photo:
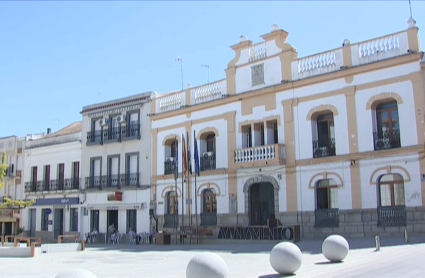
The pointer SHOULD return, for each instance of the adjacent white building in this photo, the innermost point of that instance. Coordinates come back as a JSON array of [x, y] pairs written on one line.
[[116, 164], [53, 179], [332, 142]]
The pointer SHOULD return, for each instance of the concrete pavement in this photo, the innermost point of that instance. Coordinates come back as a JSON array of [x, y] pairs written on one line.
[[250, 259]]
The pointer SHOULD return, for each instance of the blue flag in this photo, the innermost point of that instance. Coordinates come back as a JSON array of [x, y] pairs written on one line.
[[196, 155]]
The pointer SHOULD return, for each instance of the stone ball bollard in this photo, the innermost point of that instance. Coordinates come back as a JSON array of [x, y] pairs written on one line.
[[335, 248], [207, 265], [76, 273], [286, 258]]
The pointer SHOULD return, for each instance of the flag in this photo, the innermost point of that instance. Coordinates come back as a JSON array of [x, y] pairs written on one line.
[[184, 156], [189, 163], [196, 155], [176, 164]]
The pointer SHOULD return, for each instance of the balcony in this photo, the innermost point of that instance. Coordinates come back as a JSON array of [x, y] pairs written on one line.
[[208, 162], [169, 167], [392, 216], [94, 137], [269, 155], [326, 218], [388, 139], [171, 220], [114, 181], [324, 148], [130, 131], [53, 185], [111, 134], [208, 219]]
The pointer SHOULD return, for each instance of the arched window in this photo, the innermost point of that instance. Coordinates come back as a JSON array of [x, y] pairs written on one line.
[[324, 135], [171, 202], [391, 200], [209, 201], [387, 134], [327, 212], [207, 152], [171, 153]]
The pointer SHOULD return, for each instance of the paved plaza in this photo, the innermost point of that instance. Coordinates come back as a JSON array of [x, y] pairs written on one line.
[[249, 259]]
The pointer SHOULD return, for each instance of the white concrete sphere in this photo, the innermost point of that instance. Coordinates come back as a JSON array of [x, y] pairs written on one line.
[[335, 248], [243, 38], [76, 273], [207, 265], [286, 258]]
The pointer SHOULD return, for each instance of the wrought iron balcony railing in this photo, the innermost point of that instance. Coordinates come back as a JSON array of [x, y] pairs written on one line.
[[392, 216], [171, 220], [53, 185], [326, 217], [386, 139], [169, 166], [324, 148], [117, 181], [130, 131], [208, 219], [208, 162], [94, 137]]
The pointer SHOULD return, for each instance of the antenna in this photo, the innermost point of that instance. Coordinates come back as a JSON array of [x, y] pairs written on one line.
[[180, 59], [410, 7]]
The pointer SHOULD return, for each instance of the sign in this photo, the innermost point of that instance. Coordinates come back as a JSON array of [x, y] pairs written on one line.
[[117, 196], [233, 204], [48, 211], [6, 212], [57, 201], [49, 222]]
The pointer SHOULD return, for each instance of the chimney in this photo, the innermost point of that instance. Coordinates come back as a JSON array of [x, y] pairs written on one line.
[[48, 130]]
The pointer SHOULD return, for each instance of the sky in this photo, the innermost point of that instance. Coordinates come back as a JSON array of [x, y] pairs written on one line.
[[58, 56]]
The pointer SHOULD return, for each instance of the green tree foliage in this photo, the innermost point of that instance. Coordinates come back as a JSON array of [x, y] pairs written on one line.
[[7, 201]]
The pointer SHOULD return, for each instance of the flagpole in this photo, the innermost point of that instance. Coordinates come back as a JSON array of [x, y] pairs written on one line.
[[195, 153], [182, 184], [176, 173]]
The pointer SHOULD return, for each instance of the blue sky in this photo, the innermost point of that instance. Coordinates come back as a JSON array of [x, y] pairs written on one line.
[[58, 56]]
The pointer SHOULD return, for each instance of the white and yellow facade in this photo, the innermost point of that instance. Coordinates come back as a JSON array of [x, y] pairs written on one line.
[[332, 142]]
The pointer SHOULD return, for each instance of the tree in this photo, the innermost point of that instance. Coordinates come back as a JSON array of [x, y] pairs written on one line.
[[7, 201]]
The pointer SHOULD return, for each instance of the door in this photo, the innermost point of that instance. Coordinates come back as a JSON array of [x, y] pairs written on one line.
[[112, 218], [76, 175], [32, 222], [261, 203], [61, 176], [58, 223]]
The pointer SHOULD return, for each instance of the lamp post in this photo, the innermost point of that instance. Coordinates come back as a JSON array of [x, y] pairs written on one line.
[[208, 67], [180, 59]]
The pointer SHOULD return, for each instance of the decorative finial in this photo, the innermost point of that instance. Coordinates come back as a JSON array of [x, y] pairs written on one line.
[[411, 23], [189, 85], [346, 42], [242, 39], [274, 27]]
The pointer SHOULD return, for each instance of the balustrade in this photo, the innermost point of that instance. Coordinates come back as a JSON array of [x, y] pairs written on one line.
[[392, 216], [208, 219], [388, 139], [324, 148], [268, 152], [326, 217]]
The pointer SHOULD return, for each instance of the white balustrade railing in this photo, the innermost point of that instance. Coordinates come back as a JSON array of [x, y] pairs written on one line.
[[258, 153], [208, 92], [379, 45], [317, 64], [171, 102], [257, 52]]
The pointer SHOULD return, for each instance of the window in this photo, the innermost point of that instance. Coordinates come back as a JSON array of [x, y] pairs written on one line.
[[95, 172], [132, 124], [324, 145], [326, 194], [209, 201], [73, 219], [44, 219], [131, 220], [95, 133], [34, 178], [61, 176], [94, 220], [132, 168], [208, 151], [113, 170], [171, 202], [46, 178], [391, 190], [257, 74], [210, 142], [75, 175], [171, 153], [246, 136], [387, 133]]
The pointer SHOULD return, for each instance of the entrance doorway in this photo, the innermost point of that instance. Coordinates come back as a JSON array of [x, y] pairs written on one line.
[[58, 223], [261, 203], [32, 222], [112, 218]]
